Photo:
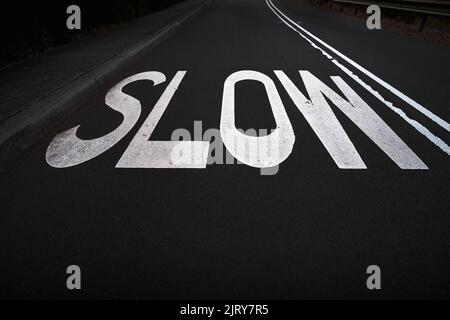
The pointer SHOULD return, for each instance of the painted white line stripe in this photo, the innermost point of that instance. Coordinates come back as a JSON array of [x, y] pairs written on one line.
[[418, 126], [444, 124], [323, 121]]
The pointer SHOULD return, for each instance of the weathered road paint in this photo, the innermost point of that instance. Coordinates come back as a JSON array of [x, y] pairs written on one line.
[[327, 127], [259, 152], [67, 150], [142, 153], [418, 126], [266, 151]]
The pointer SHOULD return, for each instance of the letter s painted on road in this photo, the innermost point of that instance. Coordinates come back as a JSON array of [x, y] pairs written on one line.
[[67, 150]]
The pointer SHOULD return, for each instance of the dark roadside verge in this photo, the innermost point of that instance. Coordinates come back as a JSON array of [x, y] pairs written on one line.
[[39, 92], [428, 27], [30, 28]]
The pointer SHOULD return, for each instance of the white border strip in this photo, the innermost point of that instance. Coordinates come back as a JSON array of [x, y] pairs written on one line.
[[419, 127]]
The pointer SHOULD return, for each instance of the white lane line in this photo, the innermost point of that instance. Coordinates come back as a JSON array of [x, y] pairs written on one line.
[[327, 127], [444, 124], [419, 127]]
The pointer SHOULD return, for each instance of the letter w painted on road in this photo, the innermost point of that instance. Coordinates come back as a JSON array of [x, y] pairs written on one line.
[[330, 132]]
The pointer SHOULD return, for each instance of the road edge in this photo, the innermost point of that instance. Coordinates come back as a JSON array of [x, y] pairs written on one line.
[[24, 129]]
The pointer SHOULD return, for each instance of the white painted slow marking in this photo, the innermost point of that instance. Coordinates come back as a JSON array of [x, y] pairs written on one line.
[[67, 150], [327, 127], [322, 120], [260, 152], [142, 153], [376, 129], [419, 127]]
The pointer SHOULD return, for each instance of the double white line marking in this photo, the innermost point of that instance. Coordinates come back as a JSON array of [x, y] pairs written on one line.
[[316, 42]]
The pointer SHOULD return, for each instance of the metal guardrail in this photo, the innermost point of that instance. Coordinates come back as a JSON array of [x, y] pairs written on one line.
[[421, 7]]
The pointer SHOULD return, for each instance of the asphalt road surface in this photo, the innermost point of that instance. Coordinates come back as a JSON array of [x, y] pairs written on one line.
[[226, 231]]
